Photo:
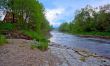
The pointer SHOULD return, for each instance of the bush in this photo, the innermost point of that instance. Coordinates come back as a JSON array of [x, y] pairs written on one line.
[[43, 46], [33, 46], [2, 40], [40, 41], [35, 35], [94, 33], [6, 26], [40, 45]]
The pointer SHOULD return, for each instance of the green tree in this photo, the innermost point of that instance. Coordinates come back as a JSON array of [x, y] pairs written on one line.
[[88, 19]]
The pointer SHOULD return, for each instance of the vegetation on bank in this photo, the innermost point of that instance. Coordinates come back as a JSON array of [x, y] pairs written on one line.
[[26, 17], [2, 40], [40, 45], [89, 21], [94, 33]]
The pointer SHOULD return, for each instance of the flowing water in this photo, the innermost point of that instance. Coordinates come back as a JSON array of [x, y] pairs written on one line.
[[98, 46]]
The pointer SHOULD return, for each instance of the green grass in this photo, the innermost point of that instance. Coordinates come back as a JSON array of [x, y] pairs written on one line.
[[33, 46], [6, 26], [93, 33], [34, 35], [41, 42], [40, 45], [96, 33], [43, 46], [2, 40]]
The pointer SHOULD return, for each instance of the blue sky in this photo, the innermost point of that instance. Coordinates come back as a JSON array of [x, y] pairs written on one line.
[[59, 11]]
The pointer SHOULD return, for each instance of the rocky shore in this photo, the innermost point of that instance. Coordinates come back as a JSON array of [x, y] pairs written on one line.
[[18, 53], [78, 57]]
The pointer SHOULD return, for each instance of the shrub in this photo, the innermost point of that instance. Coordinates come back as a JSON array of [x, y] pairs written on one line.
[[6, 26], [33, 46], [34, 35], [43, 46], [40, 45], [39, 40], [2, 40]]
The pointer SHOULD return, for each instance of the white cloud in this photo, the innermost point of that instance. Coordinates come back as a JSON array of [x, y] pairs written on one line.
[[53, 14]]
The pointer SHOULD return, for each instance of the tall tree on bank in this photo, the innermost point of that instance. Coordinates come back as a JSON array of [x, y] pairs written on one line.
[[25, 19], [29, 12], [90, 19]]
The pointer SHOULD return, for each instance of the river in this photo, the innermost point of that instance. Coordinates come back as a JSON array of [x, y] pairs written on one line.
[[95, 45]]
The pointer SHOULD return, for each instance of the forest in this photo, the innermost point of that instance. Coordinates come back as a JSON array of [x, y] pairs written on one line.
[[89, 21], [25, 19]]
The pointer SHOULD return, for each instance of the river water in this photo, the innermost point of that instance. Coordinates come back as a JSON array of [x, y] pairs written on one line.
[[98, 46]]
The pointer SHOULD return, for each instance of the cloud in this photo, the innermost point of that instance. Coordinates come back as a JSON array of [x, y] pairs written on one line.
[[53, 14]]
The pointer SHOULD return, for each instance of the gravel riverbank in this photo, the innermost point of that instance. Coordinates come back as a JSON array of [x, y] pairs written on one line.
[[18, 53], [78, 57]]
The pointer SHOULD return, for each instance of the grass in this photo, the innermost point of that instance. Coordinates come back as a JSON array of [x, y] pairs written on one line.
[[92, 33], [33, 46], [40, 41], [83, 59], [34, 35], [6, 26], [40, 45], [43, 46], [96, 33], [2, 40]]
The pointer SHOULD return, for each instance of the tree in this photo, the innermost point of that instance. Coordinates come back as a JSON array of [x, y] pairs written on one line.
[[88, 19], [64, 27]]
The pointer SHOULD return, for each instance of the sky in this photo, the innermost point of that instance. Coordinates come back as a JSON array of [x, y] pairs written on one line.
[[59, 11]]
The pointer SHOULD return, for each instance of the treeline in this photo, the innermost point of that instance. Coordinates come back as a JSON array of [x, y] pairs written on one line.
[[89, 19], [26, 16]]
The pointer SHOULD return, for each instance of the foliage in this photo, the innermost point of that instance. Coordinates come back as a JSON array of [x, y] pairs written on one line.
[[33, 46], [6, 26], [2, 40], [64, 27], [93, 33], [89, 20], [34, 35], [29, 13], [42, 45], [27, 16], [40, 41]]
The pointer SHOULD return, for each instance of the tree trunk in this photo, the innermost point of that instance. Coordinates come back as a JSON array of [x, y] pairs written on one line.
[[13, 18]]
